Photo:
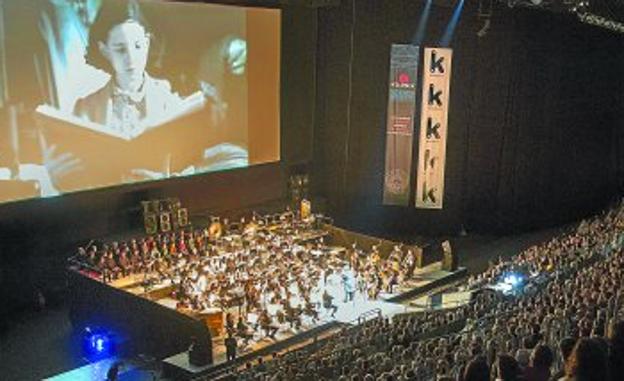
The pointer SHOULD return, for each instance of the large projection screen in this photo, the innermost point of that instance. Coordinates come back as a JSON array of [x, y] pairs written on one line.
[[96, 93]]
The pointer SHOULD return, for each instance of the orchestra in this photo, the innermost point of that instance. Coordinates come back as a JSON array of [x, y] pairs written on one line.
[[262, 274]]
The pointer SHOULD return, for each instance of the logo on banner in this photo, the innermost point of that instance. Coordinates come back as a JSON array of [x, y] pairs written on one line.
[[435, 96], [397, 181], [429, 194], [403, 81], [433, 128], [430, 161], [436, 65], [401, 125]]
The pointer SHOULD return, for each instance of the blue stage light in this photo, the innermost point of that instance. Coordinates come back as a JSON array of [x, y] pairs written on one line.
[[445, 41], [419, 37], [97, 343], [510, 283], [511, 280]]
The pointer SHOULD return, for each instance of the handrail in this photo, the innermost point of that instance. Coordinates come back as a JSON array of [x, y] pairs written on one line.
[[364, 316], [445, 306], [218, 374]]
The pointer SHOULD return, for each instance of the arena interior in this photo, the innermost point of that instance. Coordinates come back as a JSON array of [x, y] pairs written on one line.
[[284, 190]]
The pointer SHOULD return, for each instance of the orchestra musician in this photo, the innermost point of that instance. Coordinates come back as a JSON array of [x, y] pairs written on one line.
[[328, 303], [310, 310], [243, 331], [266, 324], [215, 230]]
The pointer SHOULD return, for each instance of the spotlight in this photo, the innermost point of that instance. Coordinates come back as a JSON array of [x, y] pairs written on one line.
[[581, 7], [599, 21], [513, 280], [97, 343], [530, 3], [510, 283], [445, 41]]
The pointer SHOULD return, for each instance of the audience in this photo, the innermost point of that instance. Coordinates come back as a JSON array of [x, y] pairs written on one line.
[[477, 370], [588, 362], [507, 369], [570, 301], [566, 345], [541, 360], [616, 355]]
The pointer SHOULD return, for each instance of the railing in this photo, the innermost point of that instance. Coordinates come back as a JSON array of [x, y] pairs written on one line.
[[222, 370], [444, 306], [375, 313]]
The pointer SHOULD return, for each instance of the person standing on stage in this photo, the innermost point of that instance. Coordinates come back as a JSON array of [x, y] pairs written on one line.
[[230, 347], [349, 284], [328, 303]]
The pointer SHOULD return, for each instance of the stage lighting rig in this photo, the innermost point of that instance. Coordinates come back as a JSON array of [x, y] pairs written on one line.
[[600, 21], [97, 343], [579, 7], [559, 6], [530, 3], [605, 14]]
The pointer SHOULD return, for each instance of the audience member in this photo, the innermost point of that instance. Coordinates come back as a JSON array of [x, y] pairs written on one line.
[[587, 362]]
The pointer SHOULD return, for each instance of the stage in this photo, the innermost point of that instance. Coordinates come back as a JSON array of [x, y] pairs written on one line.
[[273, 285], [428, 280]]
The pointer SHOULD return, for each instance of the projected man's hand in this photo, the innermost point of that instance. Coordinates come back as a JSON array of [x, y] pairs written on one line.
[[58, 165], [218, 107]]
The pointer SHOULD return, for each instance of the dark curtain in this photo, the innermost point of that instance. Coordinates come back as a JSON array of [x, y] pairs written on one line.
[[535, 120]]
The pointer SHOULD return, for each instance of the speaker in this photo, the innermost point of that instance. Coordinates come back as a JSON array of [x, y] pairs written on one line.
[[150, 221], [182, 217], [165, 221], [298, 188]]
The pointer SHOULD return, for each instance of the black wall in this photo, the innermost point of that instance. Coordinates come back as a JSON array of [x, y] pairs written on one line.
[[535, 124]]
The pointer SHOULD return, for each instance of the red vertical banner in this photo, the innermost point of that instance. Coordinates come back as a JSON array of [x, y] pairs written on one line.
[[400, 123]]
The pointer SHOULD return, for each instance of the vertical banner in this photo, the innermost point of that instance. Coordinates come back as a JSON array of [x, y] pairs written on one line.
[[400, 123], [433, 128]]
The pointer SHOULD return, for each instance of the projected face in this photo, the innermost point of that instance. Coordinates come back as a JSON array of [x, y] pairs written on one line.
[[127, 49]]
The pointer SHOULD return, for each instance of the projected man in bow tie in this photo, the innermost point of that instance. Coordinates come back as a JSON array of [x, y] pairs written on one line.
[[131, 105], [119, 43]]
